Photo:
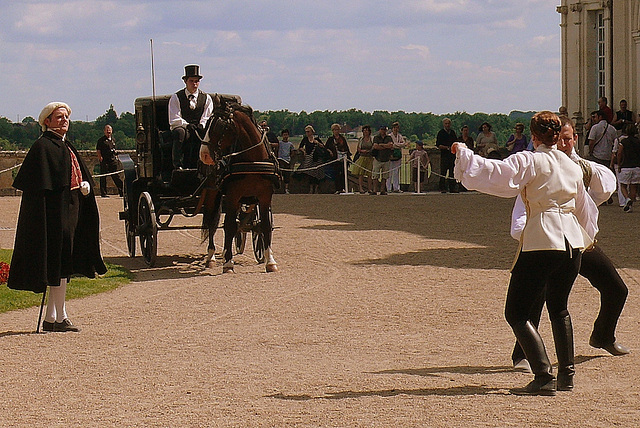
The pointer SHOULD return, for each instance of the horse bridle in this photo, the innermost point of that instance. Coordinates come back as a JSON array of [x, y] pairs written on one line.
[[222, 126]]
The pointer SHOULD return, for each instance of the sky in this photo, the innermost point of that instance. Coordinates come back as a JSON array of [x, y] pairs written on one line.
[[490, 56]]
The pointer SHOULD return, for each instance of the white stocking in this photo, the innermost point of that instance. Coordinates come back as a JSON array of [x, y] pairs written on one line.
[[56, 308]]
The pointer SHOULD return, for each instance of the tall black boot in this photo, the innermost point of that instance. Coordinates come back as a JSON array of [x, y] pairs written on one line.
[[529, 339], [563, 338]]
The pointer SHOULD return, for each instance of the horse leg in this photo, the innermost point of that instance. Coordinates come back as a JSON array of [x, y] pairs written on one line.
[[210, 220], [267, 229], [230, 229]]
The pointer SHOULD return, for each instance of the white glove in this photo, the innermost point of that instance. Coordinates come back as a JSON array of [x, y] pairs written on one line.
[[85, 188]]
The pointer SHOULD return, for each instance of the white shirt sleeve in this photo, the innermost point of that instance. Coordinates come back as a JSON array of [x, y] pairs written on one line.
[[603, 183], [175, 115], [504, 178], [518, 218], [586, 212], [208, 111]]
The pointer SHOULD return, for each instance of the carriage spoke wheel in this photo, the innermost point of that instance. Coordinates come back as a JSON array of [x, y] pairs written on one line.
[[258, 246], [147, 229], [240, 241], [129, 224]]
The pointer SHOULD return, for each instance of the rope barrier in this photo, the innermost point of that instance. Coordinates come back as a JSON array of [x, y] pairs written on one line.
[[11, 168], [107, 174], [353, 163], [94, 176]]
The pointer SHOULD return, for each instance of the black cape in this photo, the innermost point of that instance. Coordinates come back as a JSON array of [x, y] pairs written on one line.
[[45, 181]]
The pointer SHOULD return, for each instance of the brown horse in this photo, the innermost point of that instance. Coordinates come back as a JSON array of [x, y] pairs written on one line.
[[247, 172]]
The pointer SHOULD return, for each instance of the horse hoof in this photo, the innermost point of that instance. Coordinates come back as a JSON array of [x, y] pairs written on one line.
[[211, 264], [228, 270], [272, 268]]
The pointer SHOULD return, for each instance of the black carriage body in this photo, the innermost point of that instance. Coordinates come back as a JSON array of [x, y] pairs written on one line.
[[151, 184]]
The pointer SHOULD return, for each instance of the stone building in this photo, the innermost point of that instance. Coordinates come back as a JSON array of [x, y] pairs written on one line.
[[600, 55]]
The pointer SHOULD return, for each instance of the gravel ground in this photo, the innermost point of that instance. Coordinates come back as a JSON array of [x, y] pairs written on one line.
[[386, 311]]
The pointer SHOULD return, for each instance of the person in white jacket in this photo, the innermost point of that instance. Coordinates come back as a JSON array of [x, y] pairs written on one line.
[[595, 266], [561, 222]]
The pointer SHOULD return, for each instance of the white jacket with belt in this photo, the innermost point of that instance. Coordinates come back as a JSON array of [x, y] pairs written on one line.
[[550, 184]]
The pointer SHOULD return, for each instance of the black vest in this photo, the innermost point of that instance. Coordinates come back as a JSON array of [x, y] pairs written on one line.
[[191, 116]]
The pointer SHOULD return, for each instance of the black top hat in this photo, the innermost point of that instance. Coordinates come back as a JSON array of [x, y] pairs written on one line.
[[192, 70]]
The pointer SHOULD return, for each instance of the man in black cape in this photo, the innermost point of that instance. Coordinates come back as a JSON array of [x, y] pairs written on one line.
[[58, 224]]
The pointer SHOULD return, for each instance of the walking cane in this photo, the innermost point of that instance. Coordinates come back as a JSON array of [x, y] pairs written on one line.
[[41, 306]]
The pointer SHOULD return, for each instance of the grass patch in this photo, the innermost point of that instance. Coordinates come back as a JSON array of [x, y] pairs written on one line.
[[78, 287]]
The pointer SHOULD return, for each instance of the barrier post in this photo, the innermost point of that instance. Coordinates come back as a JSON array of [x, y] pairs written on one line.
[[418, 179], [346, 177]]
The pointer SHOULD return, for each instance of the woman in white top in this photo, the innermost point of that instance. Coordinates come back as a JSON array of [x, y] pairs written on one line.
[[561, 221]]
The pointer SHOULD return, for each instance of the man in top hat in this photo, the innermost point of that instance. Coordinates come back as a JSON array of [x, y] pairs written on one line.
[[189, 110]]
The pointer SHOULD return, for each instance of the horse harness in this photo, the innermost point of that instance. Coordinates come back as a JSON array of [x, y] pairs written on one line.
[[226, 166]]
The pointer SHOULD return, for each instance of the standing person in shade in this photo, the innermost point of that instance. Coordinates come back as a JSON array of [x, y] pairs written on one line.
[[605, 109], [382, 151], [315, 155], [466, 138], [419, 161], [339, 149], [629, 166], [595, 266], [363, 166], [562, 220], [623, 116], [58, 224], [271, 136], [189, 110], [486, 141], [445, 138], [285, 150], [601, 138], [393, 184], [517, 142], [106, 150]]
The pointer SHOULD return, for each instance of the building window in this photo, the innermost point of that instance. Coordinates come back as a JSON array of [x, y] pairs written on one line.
[[601, 52]]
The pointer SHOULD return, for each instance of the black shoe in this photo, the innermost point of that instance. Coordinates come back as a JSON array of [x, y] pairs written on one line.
[[543, 386], [65, 325], [564, 382], [48, 326], [614, 348]]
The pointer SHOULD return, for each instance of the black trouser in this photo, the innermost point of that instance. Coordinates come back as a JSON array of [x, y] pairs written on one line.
[[533, 273], [446, 165], [106, 168], [186, 147], [603, 276]]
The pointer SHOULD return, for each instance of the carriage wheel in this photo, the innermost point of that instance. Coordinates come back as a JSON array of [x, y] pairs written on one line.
[[129, 223], [147, 229], [258, 246], [240, 240]]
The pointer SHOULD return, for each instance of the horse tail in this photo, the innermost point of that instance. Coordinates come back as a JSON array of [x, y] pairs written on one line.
[[210, 213]]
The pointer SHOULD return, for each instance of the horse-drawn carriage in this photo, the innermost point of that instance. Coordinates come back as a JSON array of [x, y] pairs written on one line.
[[154, 191]]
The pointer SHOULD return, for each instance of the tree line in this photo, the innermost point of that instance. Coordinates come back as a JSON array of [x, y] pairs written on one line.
[[423, 126], [85, 135]]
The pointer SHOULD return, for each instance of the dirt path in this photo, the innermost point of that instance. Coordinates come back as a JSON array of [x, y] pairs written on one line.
[[387, 311]]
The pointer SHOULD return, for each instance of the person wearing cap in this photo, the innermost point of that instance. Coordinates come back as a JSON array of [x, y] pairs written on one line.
[[382, 151], [58, 225], [189, 110]]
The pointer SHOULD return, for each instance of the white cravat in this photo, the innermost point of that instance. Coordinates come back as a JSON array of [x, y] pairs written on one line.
[[192, 101]]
